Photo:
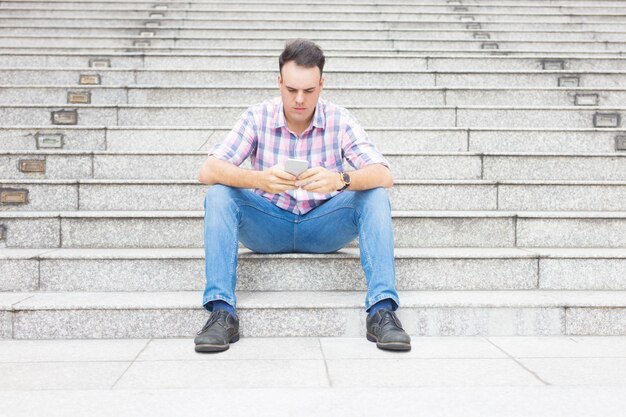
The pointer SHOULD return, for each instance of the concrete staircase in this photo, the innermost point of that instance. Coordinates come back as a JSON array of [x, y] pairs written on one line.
[[503, 121]]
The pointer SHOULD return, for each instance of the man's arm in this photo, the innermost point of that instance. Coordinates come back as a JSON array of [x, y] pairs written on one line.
[[321, 180], [273, 180]]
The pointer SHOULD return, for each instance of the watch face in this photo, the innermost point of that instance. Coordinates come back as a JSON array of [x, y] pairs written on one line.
[[346, 178]]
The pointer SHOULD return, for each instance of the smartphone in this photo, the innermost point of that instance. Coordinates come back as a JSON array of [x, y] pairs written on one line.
[[296, 166]]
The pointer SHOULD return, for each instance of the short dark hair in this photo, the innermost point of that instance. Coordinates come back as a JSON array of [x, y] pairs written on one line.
[[304, 52]]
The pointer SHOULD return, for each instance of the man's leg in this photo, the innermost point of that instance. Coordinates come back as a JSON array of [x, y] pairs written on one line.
[[366, 214], [233, 215]]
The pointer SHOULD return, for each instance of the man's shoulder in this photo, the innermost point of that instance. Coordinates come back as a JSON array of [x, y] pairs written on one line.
[[336, 114]]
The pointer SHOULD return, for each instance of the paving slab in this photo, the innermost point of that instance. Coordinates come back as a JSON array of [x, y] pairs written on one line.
[[60, 375], [253, 349], [578, 371], [258, 373], [332, 402], [427, 372], [72, 351], [561, 347], [345, 348]]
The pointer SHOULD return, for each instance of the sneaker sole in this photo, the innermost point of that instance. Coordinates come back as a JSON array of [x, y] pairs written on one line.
[[390, 345], [203, 347]]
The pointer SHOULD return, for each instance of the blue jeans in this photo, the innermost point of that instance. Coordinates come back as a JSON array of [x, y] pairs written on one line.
[[235, 215]]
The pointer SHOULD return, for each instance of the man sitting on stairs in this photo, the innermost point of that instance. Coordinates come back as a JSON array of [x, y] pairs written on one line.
[[321, 210]]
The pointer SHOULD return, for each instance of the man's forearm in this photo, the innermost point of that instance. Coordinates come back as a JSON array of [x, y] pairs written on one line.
[[372, 176], [216, 171]]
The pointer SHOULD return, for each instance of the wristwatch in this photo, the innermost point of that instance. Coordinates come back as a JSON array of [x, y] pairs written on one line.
[[345, 179]]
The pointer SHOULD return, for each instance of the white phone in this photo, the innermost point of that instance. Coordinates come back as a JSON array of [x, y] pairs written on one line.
[[296, 166]]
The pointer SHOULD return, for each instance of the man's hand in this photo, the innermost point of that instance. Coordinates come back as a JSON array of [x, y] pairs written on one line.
[[319, 180], [275, 180]]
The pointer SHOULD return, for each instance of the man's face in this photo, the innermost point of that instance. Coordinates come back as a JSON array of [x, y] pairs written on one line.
[[300, 89]]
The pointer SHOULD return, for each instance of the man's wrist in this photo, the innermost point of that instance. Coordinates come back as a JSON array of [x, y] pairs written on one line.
[[344, 180]]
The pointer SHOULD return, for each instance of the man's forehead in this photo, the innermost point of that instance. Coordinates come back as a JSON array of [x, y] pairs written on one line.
[[293, 73]]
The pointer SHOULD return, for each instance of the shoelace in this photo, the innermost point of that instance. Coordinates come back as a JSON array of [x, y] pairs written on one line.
[[388, 317], [214, 317]]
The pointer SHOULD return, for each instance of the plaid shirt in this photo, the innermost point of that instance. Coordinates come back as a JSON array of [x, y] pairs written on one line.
[[333, 137]]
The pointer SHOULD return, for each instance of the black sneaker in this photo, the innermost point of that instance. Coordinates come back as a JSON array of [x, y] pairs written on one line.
[[220, 330], [385, 329]]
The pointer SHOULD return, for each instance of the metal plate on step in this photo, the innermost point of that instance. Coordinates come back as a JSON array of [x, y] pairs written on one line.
[[473, 26], [146, 34], [620, 143], [89, 79], [32, 165], [141, 44], [65, 117], [460, 9], [552, 64], [467, 18], [586, 99], [606, 120], [79, 97], [152, 24], [160, 7], [3, 232], [99, 63], [454, 2], [482, 35], [489, 45], [569, 81], [13, 197], [156, 16], [49, 140]]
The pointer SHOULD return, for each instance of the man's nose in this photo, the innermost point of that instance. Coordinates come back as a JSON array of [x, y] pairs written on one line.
[[300, 97]]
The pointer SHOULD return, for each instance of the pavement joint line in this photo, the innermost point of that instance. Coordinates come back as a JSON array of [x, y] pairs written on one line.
[[330, 381], [130, 364], [514, 359]]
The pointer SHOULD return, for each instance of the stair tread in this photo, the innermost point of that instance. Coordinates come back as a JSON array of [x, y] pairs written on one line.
[[311, 299]]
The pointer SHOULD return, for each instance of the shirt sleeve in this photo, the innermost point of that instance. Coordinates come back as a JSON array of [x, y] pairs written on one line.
[[357, 148], [240, 142]]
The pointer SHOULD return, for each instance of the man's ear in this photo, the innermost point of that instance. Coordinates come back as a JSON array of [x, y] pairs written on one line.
[[280, 81], [321, 82]]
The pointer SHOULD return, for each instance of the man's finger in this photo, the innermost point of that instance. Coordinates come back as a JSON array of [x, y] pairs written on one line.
[[283, 174]]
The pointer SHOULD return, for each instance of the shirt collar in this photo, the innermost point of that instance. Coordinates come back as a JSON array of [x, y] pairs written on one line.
[[319, 118]]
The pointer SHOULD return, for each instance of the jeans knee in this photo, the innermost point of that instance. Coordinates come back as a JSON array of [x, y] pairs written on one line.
[[375, 197], [218, 196]]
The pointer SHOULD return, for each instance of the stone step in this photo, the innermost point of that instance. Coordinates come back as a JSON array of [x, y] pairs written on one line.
[[528, 49], [140, 32], [313, 7], [34, 315], [425, 269], [137, 195], [345, 96], [388, 140], [428, 166], [259, 14], [183, 229], [523, 24], [383, 54], [336, 62], [345, 79], [451, 3], [214, 44], [481, 117]]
